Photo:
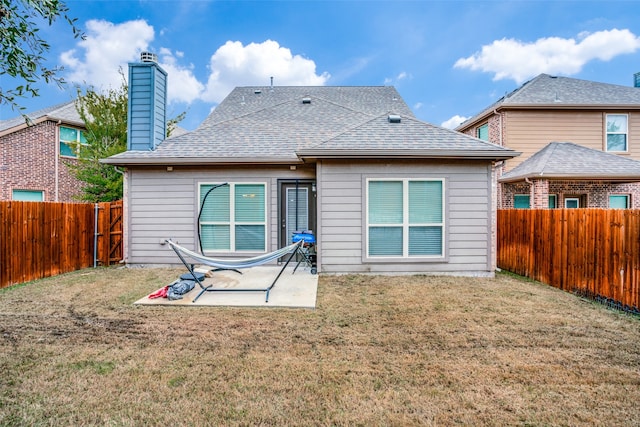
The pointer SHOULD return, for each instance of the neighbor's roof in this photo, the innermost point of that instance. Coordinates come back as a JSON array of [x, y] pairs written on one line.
[[284, 124], [551, 92], [566, 160], [66, 113]]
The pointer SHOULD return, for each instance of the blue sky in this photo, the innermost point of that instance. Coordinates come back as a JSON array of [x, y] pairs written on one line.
[[448, 59]]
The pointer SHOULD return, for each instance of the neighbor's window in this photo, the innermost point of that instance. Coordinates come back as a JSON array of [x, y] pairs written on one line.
[[521, 201], [617, 132], [28, 195], [572, 202], [553, 201], [483, 132], [405, 218], [233, 218], [619, 201], [70, 141]]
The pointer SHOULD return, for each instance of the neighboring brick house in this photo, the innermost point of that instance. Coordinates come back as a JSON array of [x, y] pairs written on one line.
[[34, 156], [601, 118]]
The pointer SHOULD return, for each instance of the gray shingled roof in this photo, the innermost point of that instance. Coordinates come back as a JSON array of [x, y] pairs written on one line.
[[264, 124], [562, 92], [65, 112], [379, 137], [566, 160]]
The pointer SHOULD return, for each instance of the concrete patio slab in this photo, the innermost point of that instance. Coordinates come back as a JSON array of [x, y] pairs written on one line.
[[295, 290]]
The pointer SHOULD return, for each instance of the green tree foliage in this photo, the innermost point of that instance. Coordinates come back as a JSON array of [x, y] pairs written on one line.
[[22, 49], [105, 118]]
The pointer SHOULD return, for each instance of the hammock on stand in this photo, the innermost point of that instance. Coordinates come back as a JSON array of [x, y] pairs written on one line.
[[223, 264]]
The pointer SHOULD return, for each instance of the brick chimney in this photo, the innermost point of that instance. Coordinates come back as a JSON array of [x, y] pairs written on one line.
[[146, 116]]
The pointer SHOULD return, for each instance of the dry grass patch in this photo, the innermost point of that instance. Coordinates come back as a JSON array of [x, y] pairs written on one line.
[[377, 350]]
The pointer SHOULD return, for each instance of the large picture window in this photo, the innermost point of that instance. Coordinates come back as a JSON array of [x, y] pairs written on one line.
[[617, 132], [233, 218], [405, 218]]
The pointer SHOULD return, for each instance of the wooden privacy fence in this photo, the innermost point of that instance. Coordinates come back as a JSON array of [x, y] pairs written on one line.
[[593, 252], [41, 239]]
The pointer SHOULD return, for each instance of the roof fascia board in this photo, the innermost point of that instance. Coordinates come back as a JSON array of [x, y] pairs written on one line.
[[195, 161], [408, 154], [37, 121]]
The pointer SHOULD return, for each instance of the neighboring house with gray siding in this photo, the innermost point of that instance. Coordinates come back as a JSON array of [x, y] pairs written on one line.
[[382, 191], [35, 155], [602, 118]]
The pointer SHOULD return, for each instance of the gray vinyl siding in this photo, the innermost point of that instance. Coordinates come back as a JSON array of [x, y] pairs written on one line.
[[164, 204], [468, 216]]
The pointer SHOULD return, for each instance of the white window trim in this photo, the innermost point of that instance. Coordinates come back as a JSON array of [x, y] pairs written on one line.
[[577, 199], [555, 197], [78, 142], [232, 223], [405, 222], [607, 133]]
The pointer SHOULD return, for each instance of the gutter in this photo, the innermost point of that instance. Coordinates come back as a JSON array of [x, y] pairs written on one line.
[[409, 154], [199, 161]]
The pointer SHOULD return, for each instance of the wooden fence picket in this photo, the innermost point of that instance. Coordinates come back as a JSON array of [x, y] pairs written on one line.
[[41, 239], [594, 252]]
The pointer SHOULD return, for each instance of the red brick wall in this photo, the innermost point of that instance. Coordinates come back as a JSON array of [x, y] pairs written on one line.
[[28, 162]]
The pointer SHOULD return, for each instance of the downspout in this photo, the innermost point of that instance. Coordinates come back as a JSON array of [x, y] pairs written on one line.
[[56, 167], [532, 195], [95, 235]]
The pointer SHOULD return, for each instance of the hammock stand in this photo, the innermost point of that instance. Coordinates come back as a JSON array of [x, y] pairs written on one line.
[[220, 264]]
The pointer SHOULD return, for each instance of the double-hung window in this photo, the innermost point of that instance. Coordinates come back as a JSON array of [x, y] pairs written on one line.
[[233, 218], [70, 141], [405, 218], [617, 132]]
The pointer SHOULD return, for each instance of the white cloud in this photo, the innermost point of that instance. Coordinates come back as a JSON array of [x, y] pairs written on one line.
[[417, 105], [236, 65], [107, 48], [453, 122], [182, 84], [401, 76], [517, 60]]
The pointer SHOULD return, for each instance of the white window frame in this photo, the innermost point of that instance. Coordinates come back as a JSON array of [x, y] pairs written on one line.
[[78, 142], [607, 133], [555, 199], [405, 221], [232, 223], [568, 199]]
